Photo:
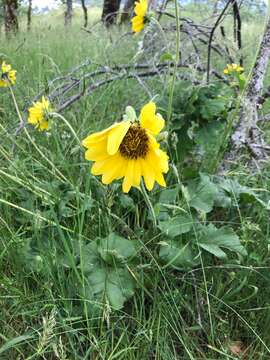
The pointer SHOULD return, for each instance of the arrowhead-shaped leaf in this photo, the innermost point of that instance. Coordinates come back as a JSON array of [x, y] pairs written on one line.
[[177, 225], [214, 240]]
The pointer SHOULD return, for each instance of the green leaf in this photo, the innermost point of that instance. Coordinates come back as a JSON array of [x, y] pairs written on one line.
[[126, 202], [237, 191], [114, 286], [114, 249], [213, 107], [167, 57], [169, 196], [177, 225], [90, 259], [177, 255], [105, 283], [209, 137], [202, 194], [214, 240]]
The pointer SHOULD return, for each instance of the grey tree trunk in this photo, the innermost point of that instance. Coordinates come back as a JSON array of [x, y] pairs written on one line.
[[29, 15], [246, 133], [85, 14], [110, 11], [128, 10], [10, 16], [68, 13]]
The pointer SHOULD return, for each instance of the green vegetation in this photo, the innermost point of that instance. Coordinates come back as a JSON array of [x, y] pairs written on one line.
[[84, 273]]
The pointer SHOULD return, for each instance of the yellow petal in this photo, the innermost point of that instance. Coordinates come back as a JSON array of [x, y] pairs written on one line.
[[148, 174], [137, 173], [115, 172], [116, 136], [97, 152], [149, 120], [99, 167], [129, 176], [98, 136]]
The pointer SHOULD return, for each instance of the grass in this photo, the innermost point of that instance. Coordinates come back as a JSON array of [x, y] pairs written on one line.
[[50, 208]]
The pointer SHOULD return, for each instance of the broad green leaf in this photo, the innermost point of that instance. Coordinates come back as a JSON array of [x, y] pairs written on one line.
[[90, 258], [222, 199], [209, 137], [177, 225], [177, 255], [213, 107], [115, 248], [107, 284], [167, 57], [126, 202], [202, 194], [214, 240], [169, 196], [238, 191]]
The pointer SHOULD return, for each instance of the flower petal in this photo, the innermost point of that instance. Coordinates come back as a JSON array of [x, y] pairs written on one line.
[[116, 136], [148, 174], [98, 136], [116, 171], [149, 120], [129, 176]]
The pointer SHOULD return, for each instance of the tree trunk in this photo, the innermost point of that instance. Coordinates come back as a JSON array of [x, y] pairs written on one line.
[[128, 10], [10, 16], [29, 15], [110, 11], [68, 13], [85, 14], [246, 133]]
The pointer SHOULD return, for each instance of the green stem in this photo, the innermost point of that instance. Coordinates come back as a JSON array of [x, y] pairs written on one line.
[[16, 105], [149, 204], [56, 115], [176, 60]]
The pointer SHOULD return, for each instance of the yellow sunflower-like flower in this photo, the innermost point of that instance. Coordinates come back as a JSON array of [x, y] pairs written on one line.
[[233, 68], [7, 75], [139, 20], [39, 113], [129, 150]]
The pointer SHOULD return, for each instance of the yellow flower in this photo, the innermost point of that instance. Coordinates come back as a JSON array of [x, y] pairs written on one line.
[[38, 114], [7, 75], [233, 68], [129, 150], [139, 20]]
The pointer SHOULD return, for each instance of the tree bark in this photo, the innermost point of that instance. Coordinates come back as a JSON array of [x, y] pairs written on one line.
[[10, 16], [110, 11], [68, 13], [29, 15], [246, 133], [128, 10], [85, 14]]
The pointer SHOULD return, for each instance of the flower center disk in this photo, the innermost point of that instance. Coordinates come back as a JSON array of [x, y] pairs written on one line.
[[135, 143]]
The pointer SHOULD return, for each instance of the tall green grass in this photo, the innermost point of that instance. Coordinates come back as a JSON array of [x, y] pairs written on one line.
[[47, 198]]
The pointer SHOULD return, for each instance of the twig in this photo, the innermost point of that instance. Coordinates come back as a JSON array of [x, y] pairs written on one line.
[[211, 38]]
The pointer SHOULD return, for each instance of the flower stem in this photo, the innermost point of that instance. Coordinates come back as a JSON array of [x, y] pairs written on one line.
[[16, 106], [149, 204], [176, 60], [56, 115]]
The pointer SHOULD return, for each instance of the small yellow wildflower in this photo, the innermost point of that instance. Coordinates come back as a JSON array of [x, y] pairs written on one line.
[[233, 68], [39, 113], [129, 150], [139, 20], [7, 75]]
